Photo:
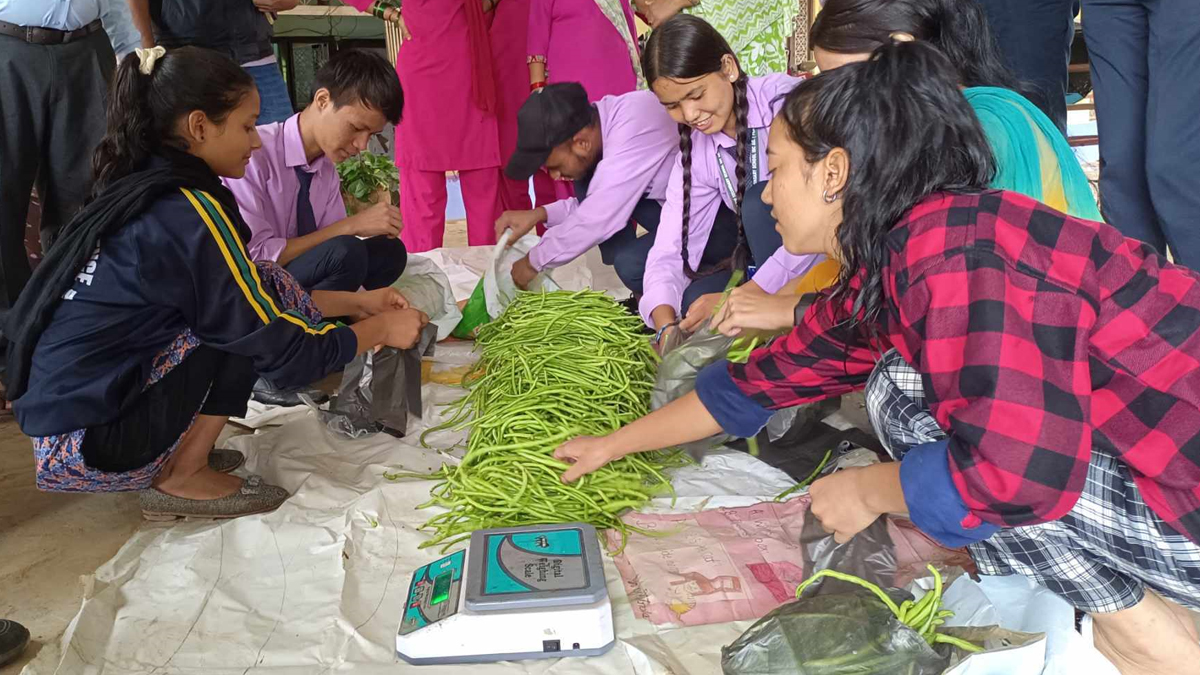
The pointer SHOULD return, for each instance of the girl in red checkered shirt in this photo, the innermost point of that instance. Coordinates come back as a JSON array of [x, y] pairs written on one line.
[[1050, 420]]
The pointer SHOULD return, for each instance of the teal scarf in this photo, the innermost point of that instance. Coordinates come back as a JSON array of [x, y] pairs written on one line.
[[1032, 156]]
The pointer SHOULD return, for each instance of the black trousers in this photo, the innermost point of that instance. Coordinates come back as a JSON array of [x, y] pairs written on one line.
[[347, 263], [1035, 39], [761, 238], [625, 250], [52, 116], [208, 381]]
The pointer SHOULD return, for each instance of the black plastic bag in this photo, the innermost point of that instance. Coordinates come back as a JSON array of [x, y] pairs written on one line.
[[836, 634], [380, 390]]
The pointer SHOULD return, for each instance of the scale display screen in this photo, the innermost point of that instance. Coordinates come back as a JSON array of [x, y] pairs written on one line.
[[441, 588], [433, 593]]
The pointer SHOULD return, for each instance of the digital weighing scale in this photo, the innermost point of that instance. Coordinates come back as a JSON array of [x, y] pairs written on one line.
[[516, 593]]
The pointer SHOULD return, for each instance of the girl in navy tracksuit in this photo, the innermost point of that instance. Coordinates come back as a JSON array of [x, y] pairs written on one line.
[[147, 324]]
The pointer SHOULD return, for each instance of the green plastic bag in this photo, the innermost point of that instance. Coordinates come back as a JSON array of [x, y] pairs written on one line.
[[496, 289], [474, 314]]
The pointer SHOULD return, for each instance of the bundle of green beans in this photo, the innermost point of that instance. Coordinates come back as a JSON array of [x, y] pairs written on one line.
[[923, 616], [553, 366]]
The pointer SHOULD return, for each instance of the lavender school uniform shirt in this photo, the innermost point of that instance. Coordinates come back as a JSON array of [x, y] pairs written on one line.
[[639, 145], [267, 194], [665, 280]]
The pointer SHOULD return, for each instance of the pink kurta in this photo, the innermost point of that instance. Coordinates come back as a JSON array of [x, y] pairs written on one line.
[[442, 128], [580, 44], [510, 25]]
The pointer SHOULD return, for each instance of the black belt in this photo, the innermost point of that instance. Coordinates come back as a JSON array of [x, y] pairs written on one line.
[[48, 36]]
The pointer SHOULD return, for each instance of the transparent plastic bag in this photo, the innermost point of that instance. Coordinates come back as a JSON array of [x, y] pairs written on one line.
[[677, 376]]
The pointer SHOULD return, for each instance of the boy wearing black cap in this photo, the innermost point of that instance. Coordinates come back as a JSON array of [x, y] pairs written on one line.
[[619, 152]]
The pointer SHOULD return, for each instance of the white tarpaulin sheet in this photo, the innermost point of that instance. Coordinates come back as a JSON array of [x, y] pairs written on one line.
[[318, 585]]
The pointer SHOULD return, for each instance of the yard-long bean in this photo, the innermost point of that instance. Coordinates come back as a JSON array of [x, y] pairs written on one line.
[[553, 366]]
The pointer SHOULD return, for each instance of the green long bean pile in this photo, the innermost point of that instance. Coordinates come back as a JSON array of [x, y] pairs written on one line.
[[553, 366]]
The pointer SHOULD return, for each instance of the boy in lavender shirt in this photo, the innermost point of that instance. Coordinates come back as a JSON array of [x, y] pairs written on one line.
[[619, 152], [291, 195]]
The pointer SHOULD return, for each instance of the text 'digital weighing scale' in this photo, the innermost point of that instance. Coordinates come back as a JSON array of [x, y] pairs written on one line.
[[516, 593]]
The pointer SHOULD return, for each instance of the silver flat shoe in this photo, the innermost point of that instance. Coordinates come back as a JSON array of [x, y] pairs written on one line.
[[255, 496], [223, 460]]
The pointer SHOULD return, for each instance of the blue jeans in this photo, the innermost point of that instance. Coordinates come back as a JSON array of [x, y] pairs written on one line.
[[275, 104]]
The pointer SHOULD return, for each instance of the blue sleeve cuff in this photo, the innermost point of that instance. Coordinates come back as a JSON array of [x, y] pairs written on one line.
[[934, 504], [738, 414]]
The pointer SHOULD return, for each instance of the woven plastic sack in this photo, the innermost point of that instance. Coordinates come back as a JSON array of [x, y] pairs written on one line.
[[428, 289]]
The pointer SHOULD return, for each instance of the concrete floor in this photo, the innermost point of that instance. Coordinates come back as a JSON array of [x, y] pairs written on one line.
[[49, 540]]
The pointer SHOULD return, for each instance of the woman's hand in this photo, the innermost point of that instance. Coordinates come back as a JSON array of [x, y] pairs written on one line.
[[658, 11], [669, 339], [701, 310], [403, 327], [379, 301], [585, 455], [849, 500], [395, 16], [749, 307]]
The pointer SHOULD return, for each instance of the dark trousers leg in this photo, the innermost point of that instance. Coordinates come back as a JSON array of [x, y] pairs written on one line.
[[209, 381], [761, 236], [1173, 125], [339, 264], [1035, 38], [386, 259], [54, 99], [627, 252], [1118, 39], [719, 247], [76, 125]]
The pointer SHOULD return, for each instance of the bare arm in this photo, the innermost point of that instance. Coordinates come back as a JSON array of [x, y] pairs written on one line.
[[140, 13], [337, 303], [681, 421], [537, 72]]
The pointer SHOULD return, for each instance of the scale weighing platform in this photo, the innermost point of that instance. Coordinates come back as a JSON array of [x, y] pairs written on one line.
[[516, 593]]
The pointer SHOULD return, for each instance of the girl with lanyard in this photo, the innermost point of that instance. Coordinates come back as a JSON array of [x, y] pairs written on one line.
[[1032, 156], [1058, 431], [713, 220]]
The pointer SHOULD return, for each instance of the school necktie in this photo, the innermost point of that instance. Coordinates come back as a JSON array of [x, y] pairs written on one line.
[[306, 220]]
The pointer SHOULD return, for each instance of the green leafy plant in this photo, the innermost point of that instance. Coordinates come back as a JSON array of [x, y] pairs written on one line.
[[367, 173]]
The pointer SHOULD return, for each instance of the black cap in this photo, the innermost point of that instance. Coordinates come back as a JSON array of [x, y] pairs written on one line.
[[548, 118]]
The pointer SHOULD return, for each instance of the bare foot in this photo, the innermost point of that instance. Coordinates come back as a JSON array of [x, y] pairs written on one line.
[[204, 484]]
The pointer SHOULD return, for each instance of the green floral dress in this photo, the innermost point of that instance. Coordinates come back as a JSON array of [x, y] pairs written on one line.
[[758, 30]]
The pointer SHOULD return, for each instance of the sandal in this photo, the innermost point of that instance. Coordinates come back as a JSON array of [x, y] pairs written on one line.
[[255, 496], [223, 460], [13, 639]]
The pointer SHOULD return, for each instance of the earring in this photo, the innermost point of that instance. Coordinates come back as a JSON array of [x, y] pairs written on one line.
[[828, 198]]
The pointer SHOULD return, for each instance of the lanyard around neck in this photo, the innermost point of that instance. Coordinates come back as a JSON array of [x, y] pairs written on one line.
[[729, 186]]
